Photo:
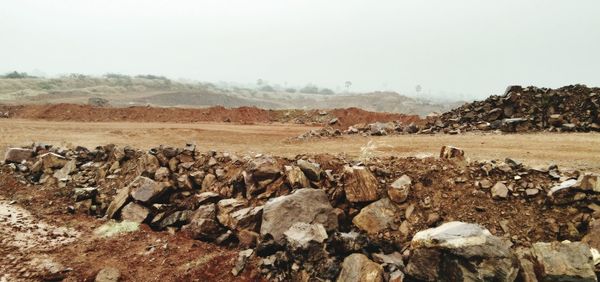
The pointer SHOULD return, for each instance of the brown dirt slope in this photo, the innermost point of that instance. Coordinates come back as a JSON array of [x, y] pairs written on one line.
[[86, 113]]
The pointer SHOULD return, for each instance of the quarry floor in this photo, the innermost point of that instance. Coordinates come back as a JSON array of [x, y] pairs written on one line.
[[568, 150]]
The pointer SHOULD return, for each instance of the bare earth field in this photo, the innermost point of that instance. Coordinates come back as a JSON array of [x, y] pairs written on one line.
[[569, 151]]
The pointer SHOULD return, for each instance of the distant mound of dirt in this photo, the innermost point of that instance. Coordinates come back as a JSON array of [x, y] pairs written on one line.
[[338, 118]]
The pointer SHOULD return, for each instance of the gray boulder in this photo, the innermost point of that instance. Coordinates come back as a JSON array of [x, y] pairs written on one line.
[[17, 155], [146, 190], [304, 205]]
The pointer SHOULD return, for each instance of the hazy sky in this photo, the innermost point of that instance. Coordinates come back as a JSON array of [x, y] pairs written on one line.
[[475, 47]]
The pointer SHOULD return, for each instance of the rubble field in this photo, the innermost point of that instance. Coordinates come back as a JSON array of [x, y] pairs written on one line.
[[115, 213]]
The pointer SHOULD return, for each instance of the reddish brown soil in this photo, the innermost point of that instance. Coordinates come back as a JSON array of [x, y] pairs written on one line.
[[245, 115], [144, 255]]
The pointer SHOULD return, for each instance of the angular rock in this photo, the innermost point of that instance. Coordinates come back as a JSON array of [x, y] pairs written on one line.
[[377, 216], [203, 224], [52, 161], [450, 152], [240, 263], [265, 171], [247, 218], [80, 194], [588, 182], [118, 202], [177, 218], [458, 251], [162, 174], [296, 178], [310, 169], [359, 268], [17, 155], [207, 197], [135, 213], [146, 190], [592, 238], [527, 271], [108, 274], [304, 205], [63, 173], [208, 182], [359, 184], [302, 234], [485, 184], [399, 190], [564, 261], [499, 191]]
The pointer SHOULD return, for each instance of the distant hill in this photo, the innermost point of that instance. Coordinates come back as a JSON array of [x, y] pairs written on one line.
[[121, 90]]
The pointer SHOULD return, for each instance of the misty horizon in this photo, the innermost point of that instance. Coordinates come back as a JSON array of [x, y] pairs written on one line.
[[464, 48]]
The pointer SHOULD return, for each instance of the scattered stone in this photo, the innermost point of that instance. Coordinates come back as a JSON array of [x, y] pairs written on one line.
[[146, 190], [499, 191], [310, 169], [461, 251], [360, 185], [240, 263], [108, 274], [177, 218], [301, 235], [531, 192], [564, 261], [399, 190], [377, 216], [118, 202], [135, 213], [17, 155], [588, 182], [485, 184], [450, 152], [304, 205], [203, 224], [296, 178], [359, 268]]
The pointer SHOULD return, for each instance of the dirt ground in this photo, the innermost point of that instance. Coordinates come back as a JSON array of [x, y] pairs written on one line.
[[569, 151], [41, 241]]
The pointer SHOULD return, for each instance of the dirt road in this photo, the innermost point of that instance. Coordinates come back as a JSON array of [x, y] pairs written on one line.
[[575, 150]]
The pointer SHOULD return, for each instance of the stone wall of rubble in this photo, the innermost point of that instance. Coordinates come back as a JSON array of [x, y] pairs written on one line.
[[331, 218]]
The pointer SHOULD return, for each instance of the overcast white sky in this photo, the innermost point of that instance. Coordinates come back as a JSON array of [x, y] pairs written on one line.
[[474, 47]]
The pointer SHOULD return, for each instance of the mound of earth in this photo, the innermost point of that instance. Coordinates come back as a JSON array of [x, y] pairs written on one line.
[[338, 118], [323, 217]]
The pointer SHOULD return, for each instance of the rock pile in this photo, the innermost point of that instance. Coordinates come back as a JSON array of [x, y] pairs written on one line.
[[322, 217], [567, 109], [364, 129], [570, 108]]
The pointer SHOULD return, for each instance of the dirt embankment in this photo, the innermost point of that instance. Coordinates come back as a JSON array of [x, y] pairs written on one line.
[[245, 115]]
